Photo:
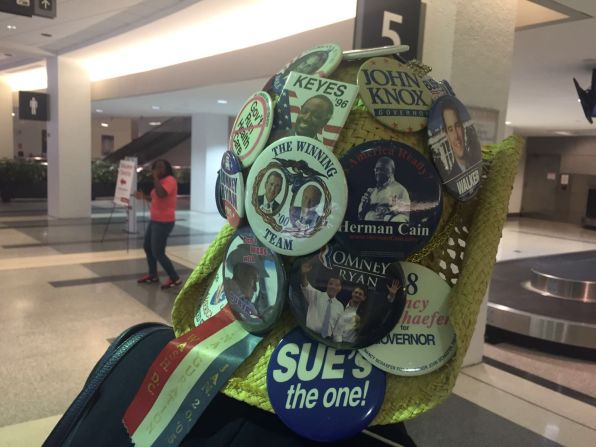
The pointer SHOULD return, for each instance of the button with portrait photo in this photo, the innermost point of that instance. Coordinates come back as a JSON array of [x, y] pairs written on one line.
[[254, 282], [455, 147], [345, 300], [395, 200], [296, 196], [319, 61], [213, 301]]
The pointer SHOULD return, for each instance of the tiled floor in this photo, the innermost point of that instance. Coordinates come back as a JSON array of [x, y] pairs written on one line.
[[65, 293]]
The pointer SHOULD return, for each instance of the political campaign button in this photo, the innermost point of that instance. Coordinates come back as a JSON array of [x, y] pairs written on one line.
[[318, 61], [232, 188], [366, 53], [395, 200], [296, 196], [218, 199], [255, 282], [321, 393], [345, 300], [313, 107], [251, 128], [214, 300], [394, 94], [455, 147], [437, 88], [424, 339]]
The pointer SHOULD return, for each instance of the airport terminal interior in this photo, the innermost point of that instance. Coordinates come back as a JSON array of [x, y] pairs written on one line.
[[70, 258]]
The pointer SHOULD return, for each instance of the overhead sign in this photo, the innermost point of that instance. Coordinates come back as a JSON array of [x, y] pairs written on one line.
[[45, 8], [34, 106], [388, 22], [19, 7], [125, 182]]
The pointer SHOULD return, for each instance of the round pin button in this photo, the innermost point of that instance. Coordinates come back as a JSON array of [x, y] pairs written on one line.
[[296, 196], [437, 88], [345, 300], [232, 188], [455, 147], [218, 199], [424, 339], [255, 282], [322, 393], [394, 94], [318, 61], [251, 128], [214, 300], [395, 200], [388, 50]]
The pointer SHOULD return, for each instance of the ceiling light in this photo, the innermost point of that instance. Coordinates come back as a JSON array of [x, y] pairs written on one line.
[[508, 123], [155, 107], [99, 110], [46, 34], [13, 114], [11, 27], [155, 123], [105, 125], [222, 101], [563, 132]]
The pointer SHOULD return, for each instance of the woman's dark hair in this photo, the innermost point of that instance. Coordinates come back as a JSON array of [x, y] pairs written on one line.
[[166, 163]]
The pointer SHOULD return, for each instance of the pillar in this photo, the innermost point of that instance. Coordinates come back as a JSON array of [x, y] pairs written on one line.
[[470, 43], [6, 121], [69, 139], [209, 141]]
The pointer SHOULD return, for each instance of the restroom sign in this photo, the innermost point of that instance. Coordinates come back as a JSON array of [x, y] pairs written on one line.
[[34, 106]]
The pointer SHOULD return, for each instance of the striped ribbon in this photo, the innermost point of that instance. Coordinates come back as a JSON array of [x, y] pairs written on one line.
[[184, 378]]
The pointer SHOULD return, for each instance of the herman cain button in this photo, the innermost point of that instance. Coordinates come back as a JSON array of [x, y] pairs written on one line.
[[424, 339], [254, 282], [231, 182], [394, 94], [455, 147], [251, 128], [395, 200], [322, 393], [296, 196], [345, 300]]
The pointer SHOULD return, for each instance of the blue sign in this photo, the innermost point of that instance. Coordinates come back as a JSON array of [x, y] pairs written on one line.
[[322, 393]]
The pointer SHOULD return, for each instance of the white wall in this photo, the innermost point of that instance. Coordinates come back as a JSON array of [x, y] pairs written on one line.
[[6, 121]]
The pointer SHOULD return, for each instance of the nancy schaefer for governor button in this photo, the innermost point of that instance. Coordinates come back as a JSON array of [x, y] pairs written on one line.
[[424, 339], [322, 393]]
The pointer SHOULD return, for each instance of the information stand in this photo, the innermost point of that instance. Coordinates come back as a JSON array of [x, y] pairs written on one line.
[[124, 194]]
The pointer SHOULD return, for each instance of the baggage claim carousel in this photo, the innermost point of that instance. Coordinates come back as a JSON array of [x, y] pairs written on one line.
[[551, 298]]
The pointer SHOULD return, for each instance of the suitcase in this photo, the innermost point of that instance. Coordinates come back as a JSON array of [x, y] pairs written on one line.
[[95, 416]]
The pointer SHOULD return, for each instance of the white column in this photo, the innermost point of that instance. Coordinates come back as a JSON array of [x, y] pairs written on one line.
[[69, 139], [6, 121], [209, 141], [470, 44]]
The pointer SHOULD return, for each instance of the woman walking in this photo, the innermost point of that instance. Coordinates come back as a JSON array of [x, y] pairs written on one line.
[[163, 218]]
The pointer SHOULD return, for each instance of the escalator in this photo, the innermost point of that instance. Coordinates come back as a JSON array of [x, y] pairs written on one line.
[[155, 143]]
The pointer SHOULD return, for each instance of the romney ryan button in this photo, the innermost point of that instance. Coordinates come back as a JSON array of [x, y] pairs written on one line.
[[318, 61], [395, 200], [254, 281], [214, 300], [345, 300], [232, 188], [394, 94], [455, 147], [251, 128], [321, 393], [296, 196], [218, 199], [424, 339]]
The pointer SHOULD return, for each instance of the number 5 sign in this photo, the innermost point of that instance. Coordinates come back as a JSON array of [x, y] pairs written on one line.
[[388, 22]]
